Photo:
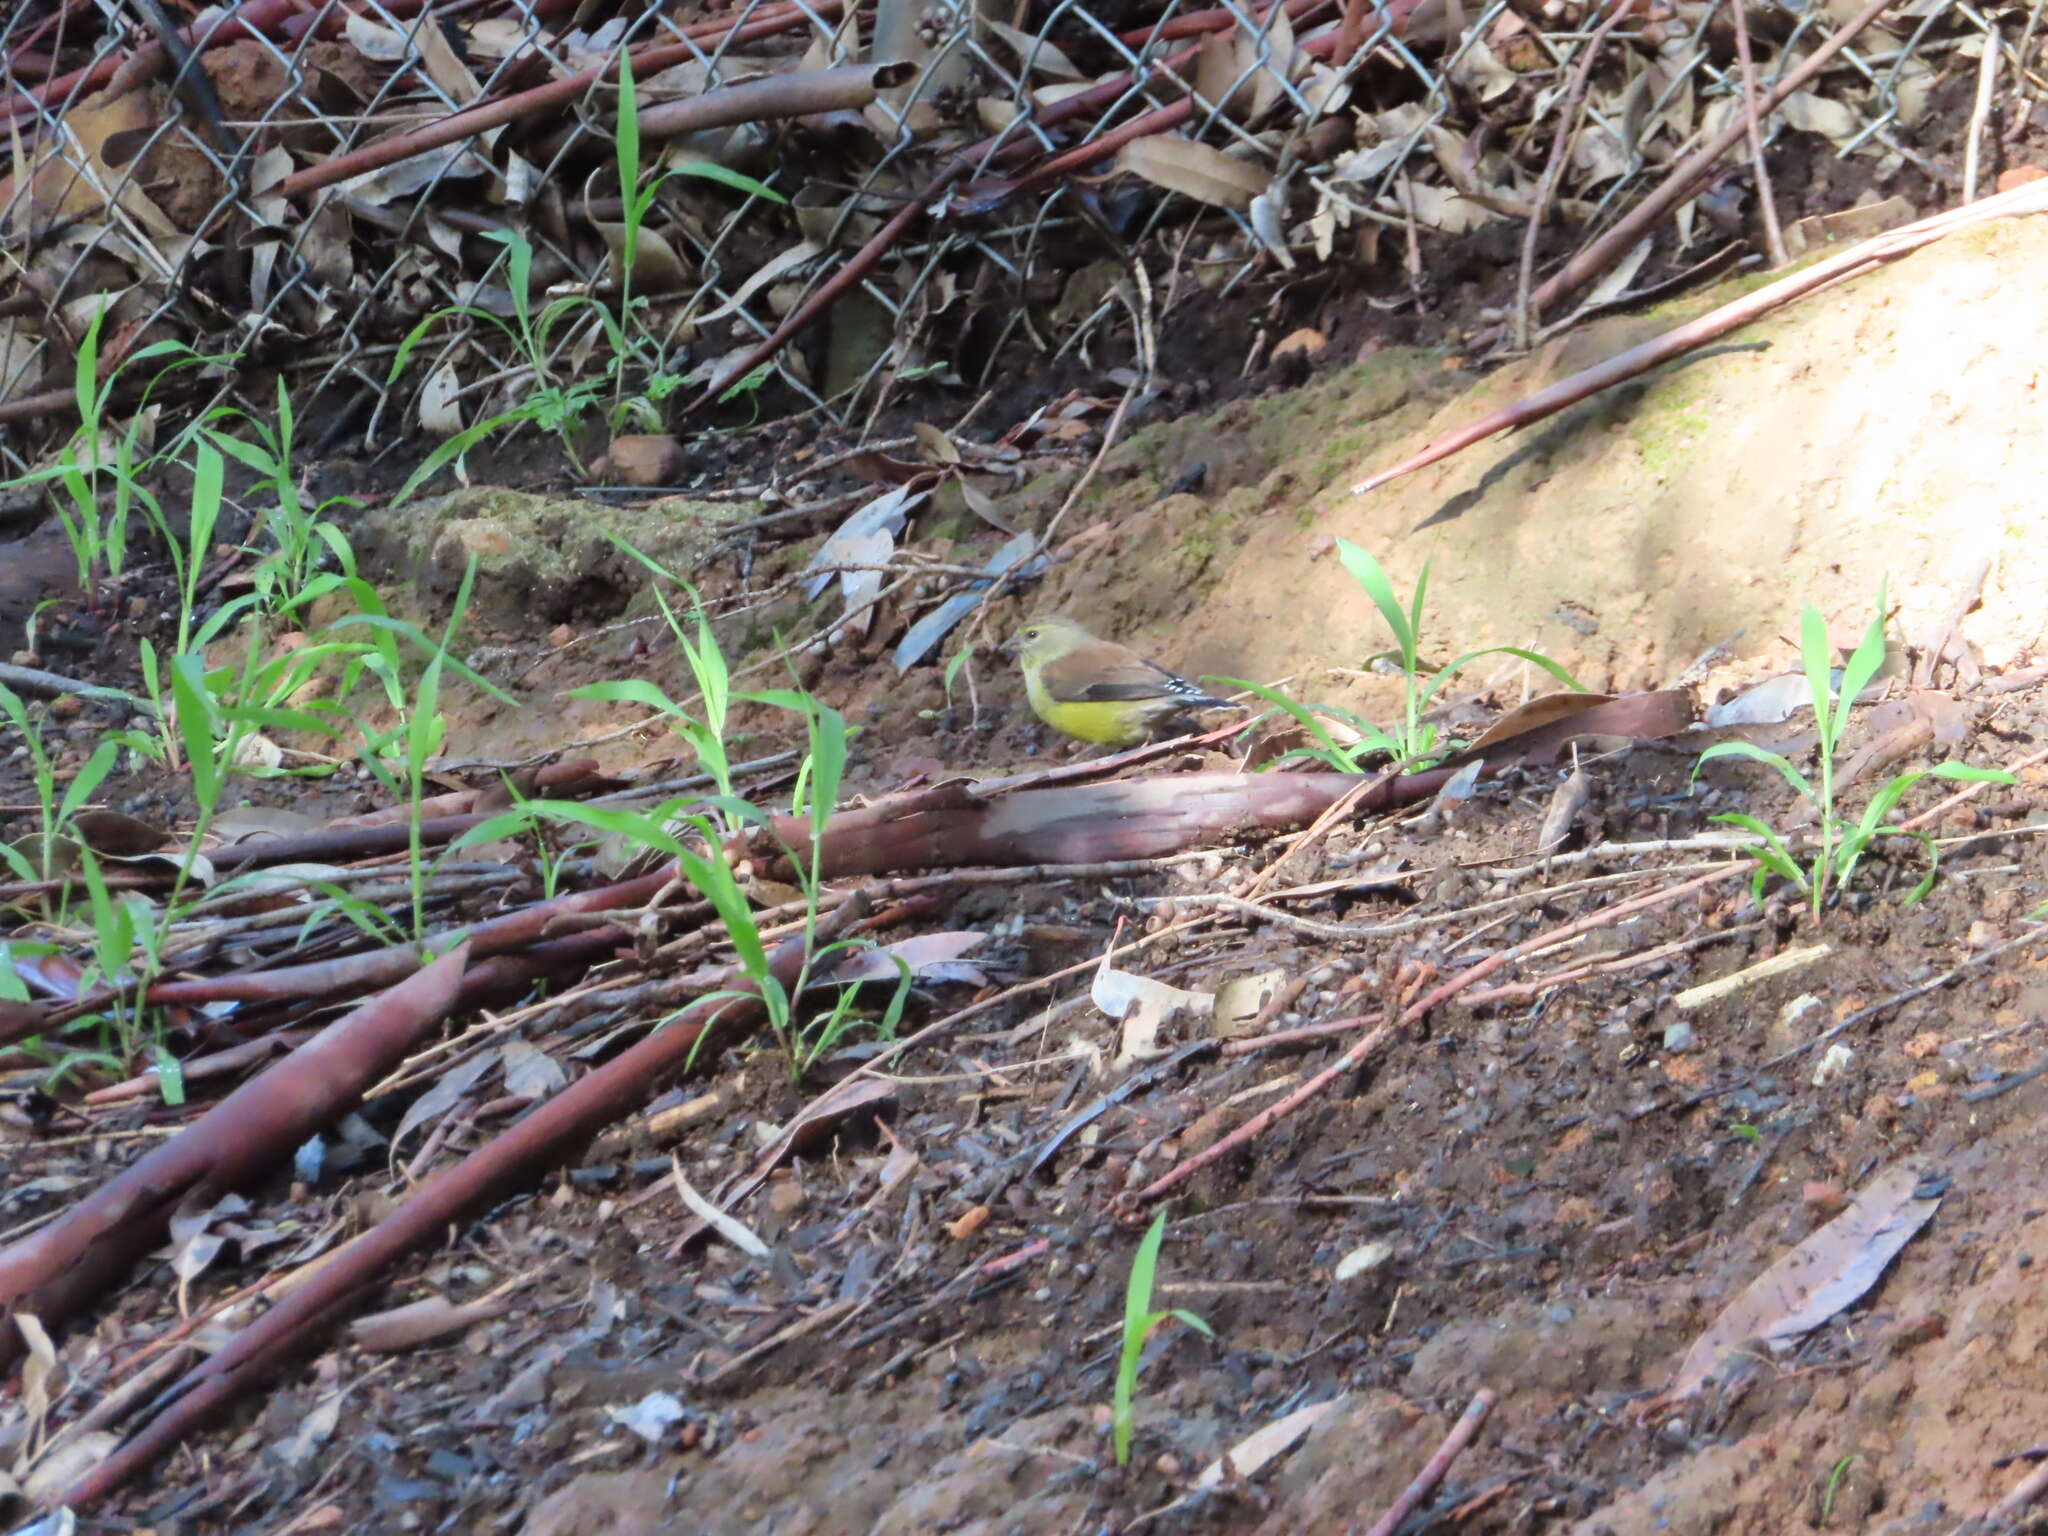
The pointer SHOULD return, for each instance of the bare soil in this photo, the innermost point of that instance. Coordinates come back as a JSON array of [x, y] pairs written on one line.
[[1549, 1196]]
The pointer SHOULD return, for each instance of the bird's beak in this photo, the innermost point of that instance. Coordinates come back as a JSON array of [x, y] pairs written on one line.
[[1008, 648]]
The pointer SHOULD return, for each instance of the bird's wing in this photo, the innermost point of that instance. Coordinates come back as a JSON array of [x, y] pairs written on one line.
[[1101, 672]]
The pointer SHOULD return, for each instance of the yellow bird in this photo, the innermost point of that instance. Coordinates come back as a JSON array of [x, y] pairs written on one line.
[[1099, 691]]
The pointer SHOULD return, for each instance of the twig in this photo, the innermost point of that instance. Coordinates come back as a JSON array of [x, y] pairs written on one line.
[[1560, 149], [1455, 1442], [1932, 984], [1987, 82], [1685, 178], [1519, 991], [1001, 583], [38, 684], [1854, 262], [2024, 1493], [1774, 237], [1129, 1202], [1969, 791]]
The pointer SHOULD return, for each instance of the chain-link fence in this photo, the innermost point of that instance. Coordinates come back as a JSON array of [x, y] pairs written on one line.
[[295, 189]]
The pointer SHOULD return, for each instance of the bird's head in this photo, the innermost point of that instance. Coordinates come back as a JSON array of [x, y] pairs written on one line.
[[1044, 639]]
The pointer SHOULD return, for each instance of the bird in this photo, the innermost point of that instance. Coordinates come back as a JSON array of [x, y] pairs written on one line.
[[1096, 690]]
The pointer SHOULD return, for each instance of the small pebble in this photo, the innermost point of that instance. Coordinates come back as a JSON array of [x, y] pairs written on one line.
[[1830, 1066], [1680, 1037]]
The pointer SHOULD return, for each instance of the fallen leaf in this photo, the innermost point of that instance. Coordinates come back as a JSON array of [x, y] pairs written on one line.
[[982, 505], [1439, 208], [656, 266], [1143, 1006], [530, 1072], [727, 1226], [1255, 1450], [1195, 170], [439, 407], [887, 513], [650, 1418], [1810, 113], [1240, 1000], [1308, 341], [1035, 53], [1817, 1279], [1363, 1259], [924, 955], [421, 1322], [1566, 801]]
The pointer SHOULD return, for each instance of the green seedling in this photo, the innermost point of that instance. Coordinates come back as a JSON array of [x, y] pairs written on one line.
[[301, 538], [556, 404], [54, 848], [694, 831], [1835, 1479], [1839, 842], [99, 471], [1139, 1321], [1414, 742]]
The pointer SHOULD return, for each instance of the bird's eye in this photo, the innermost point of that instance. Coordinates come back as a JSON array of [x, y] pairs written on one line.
[[1031, 633]]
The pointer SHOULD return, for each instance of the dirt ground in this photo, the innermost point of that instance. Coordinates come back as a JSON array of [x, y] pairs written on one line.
[[1548, 1196]]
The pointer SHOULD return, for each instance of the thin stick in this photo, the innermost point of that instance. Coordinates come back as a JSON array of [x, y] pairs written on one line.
[[2024, 1493], [1868, 256], [1774, 237], [1130, 1202], [1560, 149], [1460, 1436], [1685, 178], [1987, 81]]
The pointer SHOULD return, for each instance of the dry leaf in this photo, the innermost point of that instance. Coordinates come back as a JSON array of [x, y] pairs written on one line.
[[1240, 1000], [445, 68], [1598, 155], [421, 1322], [414, 174], [731, 1228], [530, 1072], [1255, 1450], [1035, 53], [1219, 80], [1566, 801], [887, 513], [938, 447], [377, 43], [1479, 71], [1829, 1271], [1143, 1006], [982, 505], [1810, 113], [1308, 341], [439, 410], [1274, 55], [656, 266], [1195, 170], [1439, 208]]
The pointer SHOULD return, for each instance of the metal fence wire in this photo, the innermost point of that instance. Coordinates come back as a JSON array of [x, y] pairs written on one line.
[[322, 191]]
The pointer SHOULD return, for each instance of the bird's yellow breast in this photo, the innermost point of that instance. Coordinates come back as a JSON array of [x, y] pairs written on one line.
[[1112, 724]]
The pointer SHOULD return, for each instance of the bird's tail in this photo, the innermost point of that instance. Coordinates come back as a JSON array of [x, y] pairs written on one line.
[[1187, 695]]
